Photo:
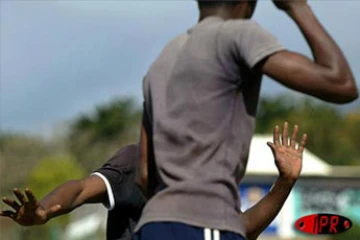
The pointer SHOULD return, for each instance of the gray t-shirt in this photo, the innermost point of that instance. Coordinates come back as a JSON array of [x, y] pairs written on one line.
[[201, 96]]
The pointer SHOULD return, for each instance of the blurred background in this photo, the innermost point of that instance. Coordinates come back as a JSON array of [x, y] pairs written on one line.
[[70, 96]]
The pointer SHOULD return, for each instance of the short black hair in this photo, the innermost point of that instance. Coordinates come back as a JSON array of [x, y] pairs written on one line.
[[214, 3]]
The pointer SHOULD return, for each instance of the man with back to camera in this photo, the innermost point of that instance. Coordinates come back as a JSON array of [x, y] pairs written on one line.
[[201, 96]]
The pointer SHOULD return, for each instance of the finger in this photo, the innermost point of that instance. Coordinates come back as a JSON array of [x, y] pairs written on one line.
[[20, 196], [54, 209], [276, 136], [271, 145], [294, 136], [302, 143], [9, 214], [30, 196], [11, 203], [285, 134]]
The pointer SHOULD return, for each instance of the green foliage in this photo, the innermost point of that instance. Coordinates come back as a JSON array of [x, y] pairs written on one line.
[[108, 121], [333, 136], [49, 173], [19, 153], [352, 234], [95, 136], [271, 111], [351, 137], [43, 176]]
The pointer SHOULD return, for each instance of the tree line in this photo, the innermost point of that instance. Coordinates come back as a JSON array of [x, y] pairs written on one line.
[[91, 138]]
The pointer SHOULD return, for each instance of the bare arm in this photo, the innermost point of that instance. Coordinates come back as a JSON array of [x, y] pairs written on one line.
[[328, 77], [288, 160], [62, 200], [146, 174], [75, 193], [258, 218], [142, 167]]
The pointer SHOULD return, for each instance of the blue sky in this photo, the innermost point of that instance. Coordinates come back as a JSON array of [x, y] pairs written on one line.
[[60, 58]]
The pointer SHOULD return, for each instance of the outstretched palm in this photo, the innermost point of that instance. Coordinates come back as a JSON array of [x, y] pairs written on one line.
[[288, 157], [29, 212]]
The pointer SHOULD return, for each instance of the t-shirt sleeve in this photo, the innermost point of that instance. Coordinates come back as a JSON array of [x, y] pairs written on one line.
[[254, 43], [118, 174], [110, 204]]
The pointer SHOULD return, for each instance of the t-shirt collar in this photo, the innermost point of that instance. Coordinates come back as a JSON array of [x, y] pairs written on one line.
[[206, 20]]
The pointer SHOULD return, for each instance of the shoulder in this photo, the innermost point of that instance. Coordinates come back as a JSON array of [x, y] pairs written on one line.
[[124, 159], [171, 49], [235, 28], [127, 154], [241, 24], [174, 43], [168, 52]]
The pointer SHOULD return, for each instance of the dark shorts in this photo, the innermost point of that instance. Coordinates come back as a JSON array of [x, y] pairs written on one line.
[[179, 231]]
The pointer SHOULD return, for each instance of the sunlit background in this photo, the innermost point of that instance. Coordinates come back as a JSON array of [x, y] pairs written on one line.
[[70, 96]]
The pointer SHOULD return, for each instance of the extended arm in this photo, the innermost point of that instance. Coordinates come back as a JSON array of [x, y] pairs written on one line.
[[328, 77], [142, 167], [258, 218], [288, 160], [62, 200], [146, 174], [75, 193]]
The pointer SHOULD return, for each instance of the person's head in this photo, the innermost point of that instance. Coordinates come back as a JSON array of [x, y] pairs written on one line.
[[230, 9]]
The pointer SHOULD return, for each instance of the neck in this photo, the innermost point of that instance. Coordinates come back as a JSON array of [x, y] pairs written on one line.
[[221, 12]]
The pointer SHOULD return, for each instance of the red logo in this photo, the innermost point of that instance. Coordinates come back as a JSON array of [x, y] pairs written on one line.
[[323, 224]]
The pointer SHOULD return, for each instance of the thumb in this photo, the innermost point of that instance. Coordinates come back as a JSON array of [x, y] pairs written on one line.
[[54, 209], [271, 145]]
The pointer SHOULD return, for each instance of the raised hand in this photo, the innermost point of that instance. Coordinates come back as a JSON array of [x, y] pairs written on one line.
[[29, 212], [288, 157], [287, 5]]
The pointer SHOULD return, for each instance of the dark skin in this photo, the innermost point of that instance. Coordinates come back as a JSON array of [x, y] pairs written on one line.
[[288, 160], [239, 10], [327, 77], [28, 211]]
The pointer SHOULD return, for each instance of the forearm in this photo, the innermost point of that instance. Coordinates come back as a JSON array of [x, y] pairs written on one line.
[[142, 166], [66, 195], [264, 212], [325, 50]]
